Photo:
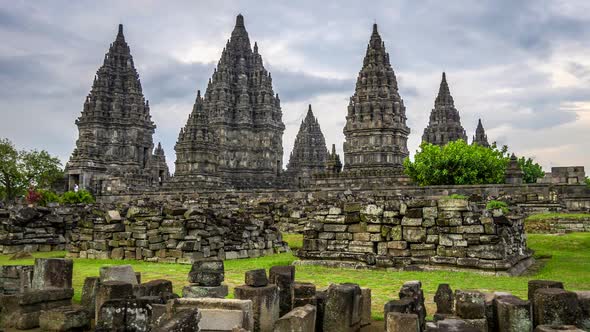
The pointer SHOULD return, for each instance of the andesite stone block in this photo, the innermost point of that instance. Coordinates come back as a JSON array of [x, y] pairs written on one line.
[[342, 308], [256, 278], [52, 273], [400, 322], [555, 306], [111, 290], [265, 304], [196, 291], [123, 273], [184, 321], [469, 304], [513, 314], [300, 319], [533, 285]]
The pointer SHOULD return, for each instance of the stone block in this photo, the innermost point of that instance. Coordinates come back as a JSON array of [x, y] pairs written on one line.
[[184, 321], [366, 306], [533, 285], [584, 300], [265, 304], [513, 314], [216, 314], [207, 273], [196, 291], [284, 278], [156, 287], [256, 278], [70, 318], [300, 319], [111, 290], [342, 308], [470, 304], [555, 306], [112, 216], [414, 234], [122, 273], [89, 289], [52, 273], [399, 322], [110, 315], [444, 299], [413, 291]]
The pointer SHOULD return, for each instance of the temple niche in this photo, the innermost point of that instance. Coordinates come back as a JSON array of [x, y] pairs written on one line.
[[309, 155], [114, 150], [376, 132], [445, 123]]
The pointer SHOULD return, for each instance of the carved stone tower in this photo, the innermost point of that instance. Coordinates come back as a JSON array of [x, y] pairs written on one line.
[[480, 136], [376, 132], [197, 150], [159, 165], [114, 148], [333, 164], [445, 123], [244, 116], [309, 153]]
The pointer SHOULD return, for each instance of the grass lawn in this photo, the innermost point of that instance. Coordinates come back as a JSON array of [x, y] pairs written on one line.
[[569, 262]]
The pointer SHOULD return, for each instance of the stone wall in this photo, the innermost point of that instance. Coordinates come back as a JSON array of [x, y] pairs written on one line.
[[424, 234], [177, 233], [34, 229], [557, 226]]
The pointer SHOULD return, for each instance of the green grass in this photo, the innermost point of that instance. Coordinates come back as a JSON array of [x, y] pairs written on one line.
[[570, 263], [558, 215]]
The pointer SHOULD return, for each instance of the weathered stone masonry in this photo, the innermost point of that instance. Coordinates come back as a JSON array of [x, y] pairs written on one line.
[[448, 233]]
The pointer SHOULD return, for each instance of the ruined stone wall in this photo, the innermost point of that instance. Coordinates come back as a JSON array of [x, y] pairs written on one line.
[[557, 226], [34, 229], [426, 234]]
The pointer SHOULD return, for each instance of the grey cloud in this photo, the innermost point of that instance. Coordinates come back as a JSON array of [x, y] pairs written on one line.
[[298, 86]]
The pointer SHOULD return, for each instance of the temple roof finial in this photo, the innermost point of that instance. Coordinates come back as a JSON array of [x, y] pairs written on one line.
[[375, 29], [240, 21]]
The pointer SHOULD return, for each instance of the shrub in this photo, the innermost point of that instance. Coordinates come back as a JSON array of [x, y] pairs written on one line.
[[82, 196], [493, 204], [456, 163], [32, 196], [48, 196]]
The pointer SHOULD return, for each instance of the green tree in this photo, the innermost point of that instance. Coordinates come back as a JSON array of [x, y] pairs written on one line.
[[10, 177], [456, 163], [588, 181], [532, 171], [18, 170]]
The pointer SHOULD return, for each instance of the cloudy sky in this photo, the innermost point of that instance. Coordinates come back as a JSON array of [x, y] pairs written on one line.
[[521, 66]]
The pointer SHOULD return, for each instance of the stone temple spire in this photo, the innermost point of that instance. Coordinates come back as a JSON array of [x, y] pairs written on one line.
[[243, 115], [333, 164], [445, 123], [480, 137], [162, 173], [197, 148], [115, 126], [309, 153], [376, 132]]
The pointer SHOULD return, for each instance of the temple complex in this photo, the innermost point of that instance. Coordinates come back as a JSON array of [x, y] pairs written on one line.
[[480, 136], [375, 131], [309, 153], [445, 123], [241, 118], [114, 148]]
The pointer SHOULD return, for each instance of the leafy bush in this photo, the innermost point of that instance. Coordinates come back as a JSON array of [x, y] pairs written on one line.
[[588, 182], [82, 196], [456, 163], [48, 196], [493, 205], [532, 171]]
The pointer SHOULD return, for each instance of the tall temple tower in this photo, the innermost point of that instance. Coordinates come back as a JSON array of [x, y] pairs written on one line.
[[114, 148], [375, 131], [243, 115], [197, 150], [445, 124], [309, 153], [480, 136]]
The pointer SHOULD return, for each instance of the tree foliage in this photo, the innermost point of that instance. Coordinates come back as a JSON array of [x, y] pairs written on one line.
[[21, 169], [532, 171], [456, 163]]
